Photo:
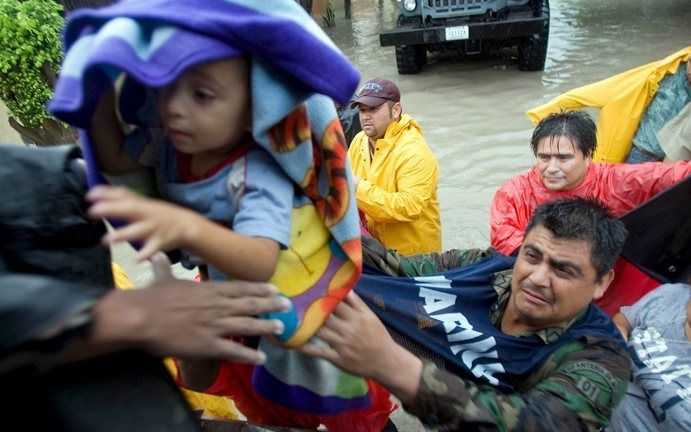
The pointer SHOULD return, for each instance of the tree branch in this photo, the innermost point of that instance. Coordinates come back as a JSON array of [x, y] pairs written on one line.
[[58, 132], [26, 132], [52, 129]]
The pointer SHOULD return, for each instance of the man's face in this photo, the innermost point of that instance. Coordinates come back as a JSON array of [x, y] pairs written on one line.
[[560, 163], [208, 108], [375, 120], [553, 280]]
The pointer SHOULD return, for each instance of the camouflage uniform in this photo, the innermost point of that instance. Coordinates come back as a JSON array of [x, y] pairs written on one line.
[[374, 254], [577, 387]]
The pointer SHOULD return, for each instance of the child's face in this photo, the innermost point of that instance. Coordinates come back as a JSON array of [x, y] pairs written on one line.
[[207, 109]]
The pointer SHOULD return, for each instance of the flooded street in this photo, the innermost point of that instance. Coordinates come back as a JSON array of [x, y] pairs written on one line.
[[472, 111]]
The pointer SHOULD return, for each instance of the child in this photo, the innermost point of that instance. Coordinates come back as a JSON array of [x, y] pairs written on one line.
[[205, 160], [216, 159]]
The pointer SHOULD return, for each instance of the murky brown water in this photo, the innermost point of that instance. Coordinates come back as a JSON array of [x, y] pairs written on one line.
[[472, 112]]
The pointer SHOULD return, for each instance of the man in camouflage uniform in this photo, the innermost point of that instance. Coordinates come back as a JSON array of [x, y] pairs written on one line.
[[566, 260]]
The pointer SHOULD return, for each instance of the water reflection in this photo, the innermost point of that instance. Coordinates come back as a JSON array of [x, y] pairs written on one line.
[[472, 111]]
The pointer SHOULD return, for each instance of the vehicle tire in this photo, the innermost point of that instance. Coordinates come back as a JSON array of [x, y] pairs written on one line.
[[532, 50], [421, 54], [410, 58]]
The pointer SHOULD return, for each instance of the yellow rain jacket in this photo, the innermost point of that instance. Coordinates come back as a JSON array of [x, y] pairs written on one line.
[[398, 188], [622, 99]]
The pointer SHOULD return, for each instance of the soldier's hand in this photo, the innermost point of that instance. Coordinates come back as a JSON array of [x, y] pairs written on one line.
[[355, 340], [187, 319]]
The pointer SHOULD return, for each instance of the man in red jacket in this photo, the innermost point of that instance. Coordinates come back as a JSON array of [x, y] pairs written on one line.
[[563, 144]]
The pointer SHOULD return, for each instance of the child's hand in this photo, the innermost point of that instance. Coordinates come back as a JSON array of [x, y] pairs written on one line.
[[159, 225]]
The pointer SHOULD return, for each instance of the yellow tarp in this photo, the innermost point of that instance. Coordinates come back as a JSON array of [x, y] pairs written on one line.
[[213, 407], [622, 99]]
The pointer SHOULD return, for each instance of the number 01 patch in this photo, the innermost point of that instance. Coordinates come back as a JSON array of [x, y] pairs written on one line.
[[588, 388]]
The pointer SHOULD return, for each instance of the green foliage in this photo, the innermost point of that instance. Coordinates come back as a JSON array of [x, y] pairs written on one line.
[[30, 55]]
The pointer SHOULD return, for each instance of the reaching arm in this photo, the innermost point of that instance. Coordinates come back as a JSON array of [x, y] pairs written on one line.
[[186, 320], [236, 255], [633, 184], [358, 343], [164, 226], [182, 319], [107, 138], [575, 390], [416, 183], [392, 263], [579, 394], [173, 317]]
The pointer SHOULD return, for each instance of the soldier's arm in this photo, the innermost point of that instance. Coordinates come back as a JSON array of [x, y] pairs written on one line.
[[577, 389], [392, 263]]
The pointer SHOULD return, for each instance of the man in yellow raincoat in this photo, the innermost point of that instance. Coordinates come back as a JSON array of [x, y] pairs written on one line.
[[622, 99], [396, 173]]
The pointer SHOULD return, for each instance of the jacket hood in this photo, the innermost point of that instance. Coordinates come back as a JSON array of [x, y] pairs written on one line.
[[396, 128]]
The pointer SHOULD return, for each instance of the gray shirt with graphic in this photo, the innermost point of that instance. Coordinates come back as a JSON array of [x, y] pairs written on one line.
[[659, 395]]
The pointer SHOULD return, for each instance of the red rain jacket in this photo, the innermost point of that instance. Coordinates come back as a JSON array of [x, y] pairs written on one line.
[[619, 187]]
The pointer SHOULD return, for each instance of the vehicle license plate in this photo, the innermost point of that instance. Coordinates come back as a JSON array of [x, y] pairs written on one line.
[[456, 33]]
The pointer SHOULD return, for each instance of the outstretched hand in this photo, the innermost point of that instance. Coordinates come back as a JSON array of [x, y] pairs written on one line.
[[354, 338], [190, 320], [356, 341], [159, 225]]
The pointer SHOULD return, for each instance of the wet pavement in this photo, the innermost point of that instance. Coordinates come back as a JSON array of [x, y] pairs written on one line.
[[472, 109]]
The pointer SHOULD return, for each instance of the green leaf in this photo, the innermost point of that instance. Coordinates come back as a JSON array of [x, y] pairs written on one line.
[[29, 37]]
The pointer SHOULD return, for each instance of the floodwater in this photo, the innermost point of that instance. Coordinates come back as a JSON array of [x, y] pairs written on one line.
[[472, 111]]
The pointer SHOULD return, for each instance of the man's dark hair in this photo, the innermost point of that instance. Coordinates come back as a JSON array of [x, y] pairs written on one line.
[[578, 126], [582, 219]]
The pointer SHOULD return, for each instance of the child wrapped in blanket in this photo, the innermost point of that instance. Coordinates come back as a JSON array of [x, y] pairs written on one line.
[[234, 201], [251, 165]]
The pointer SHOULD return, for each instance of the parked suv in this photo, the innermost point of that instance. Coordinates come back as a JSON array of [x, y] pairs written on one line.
[[469, 26]]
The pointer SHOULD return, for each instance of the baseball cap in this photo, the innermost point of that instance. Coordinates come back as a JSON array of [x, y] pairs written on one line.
[[377, 91]]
